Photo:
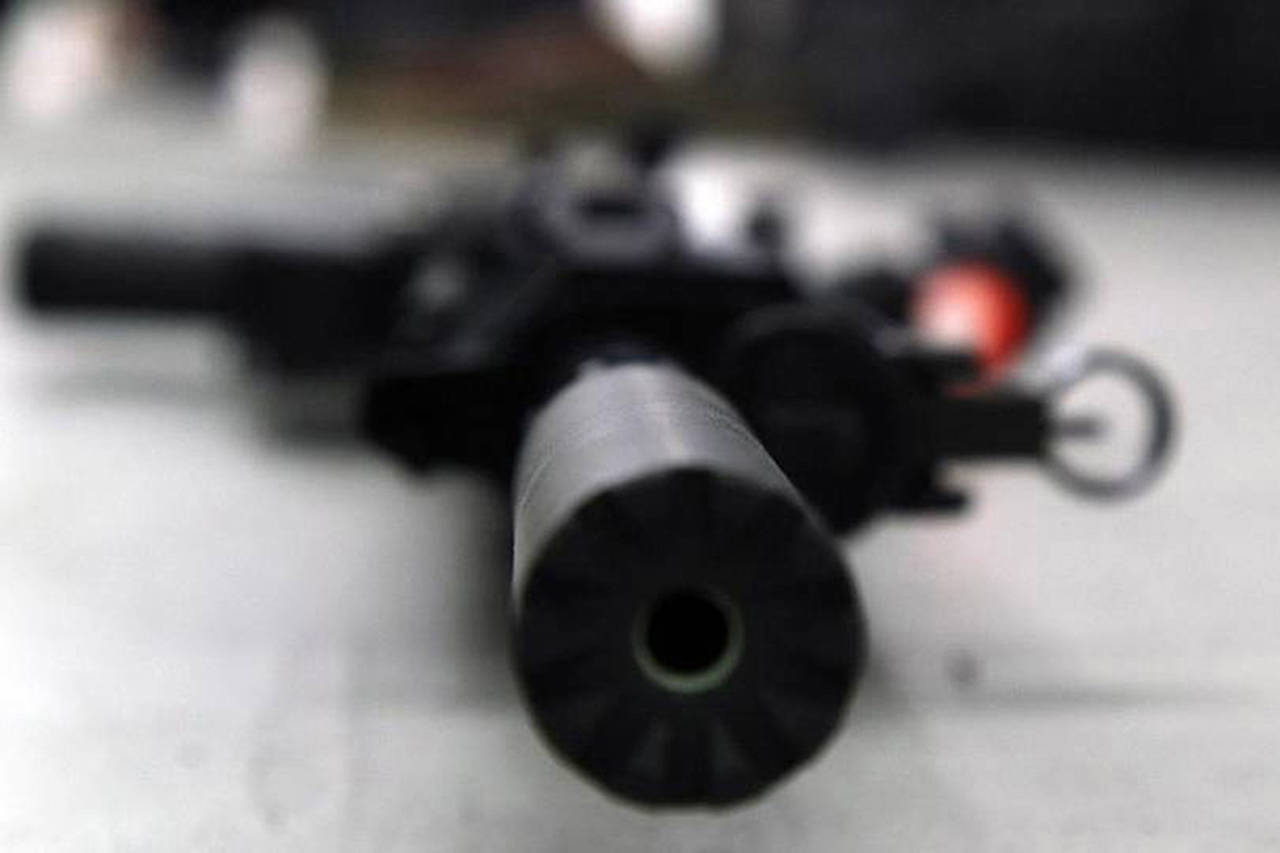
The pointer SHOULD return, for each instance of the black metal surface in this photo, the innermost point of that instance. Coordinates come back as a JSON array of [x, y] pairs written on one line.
[[67, 267], [686, 631], [303, 307]]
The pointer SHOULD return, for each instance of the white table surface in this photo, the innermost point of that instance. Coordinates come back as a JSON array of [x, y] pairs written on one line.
[[210, 640]]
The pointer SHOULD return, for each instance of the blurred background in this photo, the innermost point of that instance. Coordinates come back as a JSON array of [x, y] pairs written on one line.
[[215, 637]]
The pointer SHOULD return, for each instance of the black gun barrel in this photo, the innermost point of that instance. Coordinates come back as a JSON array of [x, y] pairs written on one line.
[[67, 268], [686, 630]]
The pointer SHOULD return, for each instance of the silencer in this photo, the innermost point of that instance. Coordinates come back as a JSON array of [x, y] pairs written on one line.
[[686, 631]]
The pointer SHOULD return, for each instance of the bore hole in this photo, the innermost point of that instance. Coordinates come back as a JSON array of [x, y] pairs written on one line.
[[688, 639]]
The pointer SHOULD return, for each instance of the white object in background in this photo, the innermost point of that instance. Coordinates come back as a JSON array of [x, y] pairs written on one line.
[[276, 86], [665, 36], [59, 57]]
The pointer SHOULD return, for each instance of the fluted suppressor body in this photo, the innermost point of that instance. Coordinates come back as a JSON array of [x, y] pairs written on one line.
[[686, 631]]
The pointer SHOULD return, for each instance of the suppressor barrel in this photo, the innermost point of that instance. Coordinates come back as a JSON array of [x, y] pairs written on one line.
[[686, 631]]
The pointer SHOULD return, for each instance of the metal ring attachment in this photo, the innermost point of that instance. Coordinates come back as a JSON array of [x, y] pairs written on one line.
[[1158, 402]]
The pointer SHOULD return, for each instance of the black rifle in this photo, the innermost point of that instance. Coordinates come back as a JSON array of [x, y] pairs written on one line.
[[682, 435]]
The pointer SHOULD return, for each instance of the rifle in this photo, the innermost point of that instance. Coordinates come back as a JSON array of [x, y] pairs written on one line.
[[683, 435]]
